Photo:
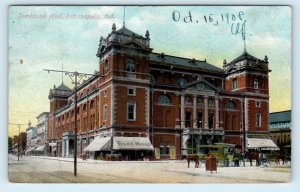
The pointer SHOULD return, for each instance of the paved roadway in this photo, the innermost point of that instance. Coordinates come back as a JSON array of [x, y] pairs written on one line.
[[54, 170]]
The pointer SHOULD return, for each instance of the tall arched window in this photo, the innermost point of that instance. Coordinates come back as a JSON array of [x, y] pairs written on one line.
[[255, 84], [164, 99], [92, 104], [230, 105], [130, 65], [105, 112]]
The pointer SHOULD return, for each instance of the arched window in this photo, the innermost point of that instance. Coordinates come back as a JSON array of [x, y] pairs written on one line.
[[230, 105], [187, 99], [210, 120], [164, 99], [105, 112], [255, 84], [84, 107], [130, 65], [181, 81], [92, 104]]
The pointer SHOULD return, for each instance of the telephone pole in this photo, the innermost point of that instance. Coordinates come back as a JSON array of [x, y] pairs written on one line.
[[19, 126], [75, 77]]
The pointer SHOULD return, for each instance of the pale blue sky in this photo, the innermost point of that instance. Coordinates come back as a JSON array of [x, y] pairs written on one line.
[[47, 43]]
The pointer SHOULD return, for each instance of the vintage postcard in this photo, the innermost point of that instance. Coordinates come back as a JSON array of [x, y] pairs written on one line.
[[149, 94]]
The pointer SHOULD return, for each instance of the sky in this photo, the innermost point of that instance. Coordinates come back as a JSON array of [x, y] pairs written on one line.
[[49, 37]]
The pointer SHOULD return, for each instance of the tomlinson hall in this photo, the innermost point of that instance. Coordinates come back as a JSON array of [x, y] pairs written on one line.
[[142, 104]]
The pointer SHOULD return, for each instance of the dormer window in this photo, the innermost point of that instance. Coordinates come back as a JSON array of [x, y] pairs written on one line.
[[234, 84], [130, 66], [181, 81], [255, 84]]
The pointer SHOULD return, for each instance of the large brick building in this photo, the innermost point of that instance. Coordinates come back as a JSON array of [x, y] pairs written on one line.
[[148, 100]]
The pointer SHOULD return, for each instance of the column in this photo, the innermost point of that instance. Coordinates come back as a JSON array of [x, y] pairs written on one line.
[[195, 112], [206, 112], [182, 112], [217, 111], [63, 148], [67, 147]]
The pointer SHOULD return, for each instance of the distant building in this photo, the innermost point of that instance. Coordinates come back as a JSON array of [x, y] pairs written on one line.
[[42, 131], [280, 128], [31, 138]]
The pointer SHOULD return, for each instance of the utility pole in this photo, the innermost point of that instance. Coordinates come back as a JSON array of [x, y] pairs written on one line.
[[75, 77], [19, 126]]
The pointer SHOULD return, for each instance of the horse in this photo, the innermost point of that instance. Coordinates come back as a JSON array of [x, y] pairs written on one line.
[[278, 158], [194, 158], [251, 156]]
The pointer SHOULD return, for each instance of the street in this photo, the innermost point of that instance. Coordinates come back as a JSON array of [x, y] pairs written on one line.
[[32, 169]]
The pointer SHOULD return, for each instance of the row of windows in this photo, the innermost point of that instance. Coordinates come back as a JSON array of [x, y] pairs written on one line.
[[235, 84], [131, 111], [130, 66], [164, 99]]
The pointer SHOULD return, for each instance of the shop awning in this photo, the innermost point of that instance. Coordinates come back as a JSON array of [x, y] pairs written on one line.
[[31, 149], [40, 148], [27, 149], [264, 144], [52, 144], [99, 144], [132, 143]]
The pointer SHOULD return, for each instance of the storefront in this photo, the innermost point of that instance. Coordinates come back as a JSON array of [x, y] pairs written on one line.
[[127, 148]]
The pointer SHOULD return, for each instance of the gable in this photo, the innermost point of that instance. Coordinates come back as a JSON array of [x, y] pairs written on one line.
[[132, 44], [201, 85]]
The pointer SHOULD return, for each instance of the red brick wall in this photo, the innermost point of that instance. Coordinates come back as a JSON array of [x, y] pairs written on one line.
[[246, 83], [122, 98], [263, 110]]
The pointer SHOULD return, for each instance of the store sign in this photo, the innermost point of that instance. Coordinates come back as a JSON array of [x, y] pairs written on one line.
[[157, 153], [132, 143]]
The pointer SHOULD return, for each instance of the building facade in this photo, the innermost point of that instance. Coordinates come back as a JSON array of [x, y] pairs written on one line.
[[167, 103], [280, 129], [31, 137], [42, 129]]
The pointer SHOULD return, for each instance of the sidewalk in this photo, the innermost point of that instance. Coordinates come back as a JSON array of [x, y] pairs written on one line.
[[92, 161]]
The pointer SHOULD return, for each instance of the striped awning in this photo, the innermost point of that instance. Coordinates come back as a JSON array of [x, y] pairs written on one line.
[[31, 149], [40, 148], [99, 144], [259, 143]]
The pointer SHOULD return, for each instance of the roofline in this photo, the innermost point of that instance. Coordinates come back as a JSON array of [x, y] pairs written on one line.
[[281, 111], [180, 57]]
